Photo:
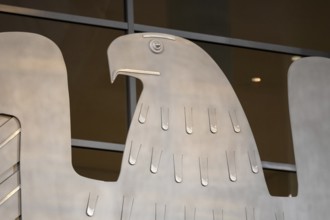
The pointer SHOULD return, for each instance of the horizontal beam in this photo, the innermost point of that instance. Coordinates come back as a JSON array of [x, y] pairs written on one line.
[[57, 16], [228, 41], [278, 166], [120, 148], [97, 145]]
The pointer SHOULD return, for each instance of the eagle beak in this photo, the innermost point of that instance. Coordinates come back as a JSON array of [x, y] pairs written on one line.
[[113, 76], [132, 72]]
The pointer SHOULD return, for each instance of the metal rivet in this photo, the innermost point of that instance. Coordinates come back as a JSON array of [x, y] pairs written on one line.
[[156, 46]]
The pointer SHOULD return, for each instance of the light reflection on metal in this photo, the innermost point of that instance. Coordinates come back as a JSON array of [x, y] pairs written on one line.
[[165, 112], [253, 161], [9, 167], [213, 120], [234, 121], [146, 72], [155, 159], [143, 113], [134, 153], [9, 195], [6, 141], [203, 166], [8, 131], [188, 114], [231, 163], [91, 204], [163, 36], [8, 173], [178, 168], [295, 58], [133, 71]]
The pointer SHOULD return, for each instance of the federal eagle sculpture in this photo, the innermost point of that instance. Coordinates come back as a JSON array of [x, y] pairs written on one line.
[[189, 154]]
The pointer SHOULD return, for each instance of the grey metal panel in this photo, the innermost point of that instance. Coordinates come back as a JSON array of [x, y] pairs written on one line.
[[4, 119], [8, 131], [34, 89], [9, 185], [9, 169], [9, 155], [9, 142], [6, 174], [9, 210], [129, 6], [309, 100]]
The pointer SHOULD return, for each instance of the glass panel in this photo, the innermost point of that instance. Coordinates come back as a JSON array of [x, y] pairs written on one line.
[[97, 164], [281, 183], [260, 82], [109, 9], [192, 15], [98, 108], [265, 103], [299, 23]]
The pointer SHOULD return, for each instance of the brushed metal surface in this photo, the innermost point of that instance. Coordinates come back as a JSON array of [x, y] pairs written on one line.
[[190, 152], [9, 167], [309, 100], [8, 187], [207, 170], [9, 210], [34, 90]]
